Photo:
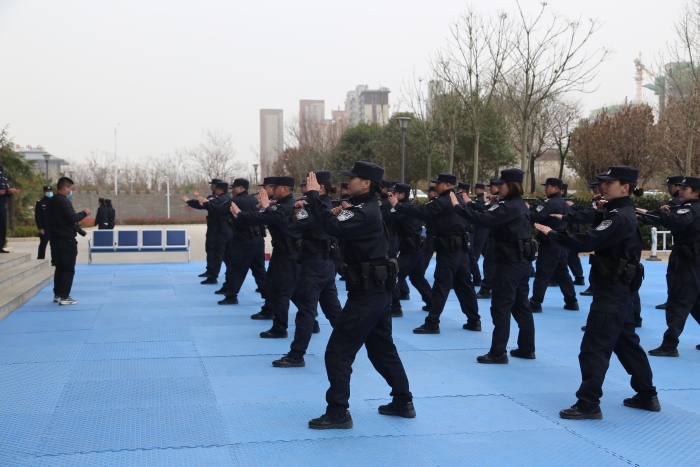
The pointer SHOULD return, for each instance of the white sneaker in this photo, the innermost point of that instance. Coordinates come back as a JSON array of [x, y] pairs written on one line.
[[56, 298], [68, 301]]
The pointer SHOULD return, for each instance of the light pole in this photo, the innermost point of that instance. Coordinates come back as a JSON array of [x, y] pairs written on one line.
[[255, 167], [47, 156], [403, 123], [167, 193], [116, 171]]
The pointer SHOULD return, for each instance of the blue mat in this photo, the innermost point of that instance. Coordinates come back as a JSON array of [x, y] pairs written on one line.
[[148, 370]]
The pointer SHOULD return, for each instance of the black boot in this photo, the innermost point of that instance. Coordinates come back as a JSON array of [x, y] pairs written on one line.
[[427, 307], [490, 358], [427, 329], [317, 328], [400, 410], [579, 281], [221, 291], [638, 402], [573, 306], [204, 274], [587, 293], [210, 280], [661, 307], [535, 306], [472, 326], [229, 300], [517, 353], [397, 313], [274, 333], [326, 422], [664, 352], [483, 294], [262, 316], [289, 362], [576, 413]]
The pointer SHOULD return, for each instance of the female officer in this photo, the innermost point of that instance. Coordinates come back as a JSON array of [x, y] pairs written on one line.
[[615, 275], [509, 221], [684, 299]]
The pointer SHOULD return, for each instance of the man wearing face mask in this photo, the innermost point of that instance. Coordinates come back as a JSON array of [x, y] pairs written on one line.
[[64, 247], [42, 221], [5, 194]]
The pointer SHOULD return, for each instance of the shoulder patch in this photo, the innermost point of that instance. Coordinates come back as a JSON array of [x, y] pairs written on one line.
[[683, 211], [494, 207], [604, 225], [485, 204], [539, 208], [262, 209], [614, 210], [345, 215], [301, 215], [273, 207]]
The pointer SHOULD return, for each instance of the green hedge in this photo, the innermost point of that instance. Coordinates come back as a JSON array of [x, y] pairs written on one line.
[[24, 231], [164, 221]]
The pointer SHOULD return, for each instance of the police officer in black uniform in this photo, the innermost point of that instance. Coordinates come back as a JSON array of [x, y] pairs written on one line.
[[464, 187], [481, 235], [5, 194], [247, 250], [408, 230], [211, 229], [218, 215], [574, 262], [366, 317], [429, 247], [615, 274], [42, 221], [316, 284], [489, 250], [509, 224], [552, 260], [101, 217], [673, 184], [283, 270], [452, 263], [684, 295]]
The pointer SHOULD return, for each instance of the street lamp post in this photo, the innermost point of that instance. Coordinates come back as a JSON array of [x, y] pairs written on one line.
[[403, 123], [255, 167], [116, 172], [167, 193], [47, 156]]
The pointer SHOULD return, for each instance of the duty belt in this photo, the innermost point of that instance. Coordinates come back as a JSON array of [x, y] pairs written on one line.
[[286, 244], [317, 246]]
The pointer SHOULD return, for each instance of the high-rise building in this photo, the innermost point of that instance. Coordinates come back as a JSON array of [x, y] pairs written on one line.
[[364, 105], [271, 139], [311, 113]]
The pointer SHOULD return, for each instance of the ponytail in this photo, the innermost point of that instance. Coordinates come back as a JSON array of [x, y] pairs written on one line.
[[634, 189]]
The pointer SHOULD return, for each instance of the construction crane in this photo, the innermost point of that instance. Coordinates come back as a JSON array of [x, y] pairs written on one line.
[[639, 78]]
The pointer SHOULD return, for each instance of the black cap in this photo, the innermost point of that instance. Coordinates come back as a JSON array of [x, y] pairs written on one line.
[[553, 182], [464, 186], [367, 170], [594, 183], [222, 186], [241, 182], [564, 186], [285, 181], [620, 172], [344, 186], [3, 184], [323, 176], [303, 183], [431, 188], [214, 181], [509, 175], [48, 188], [491, 182], [387, 184], [674, 180], [445, 178], [268, 181], [480, 185], [404, 188], [693, 182]]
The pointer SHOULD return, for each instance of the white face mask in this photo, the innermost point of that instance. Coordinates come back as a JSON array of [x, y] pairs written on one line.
[[48, 194], [70, 195]]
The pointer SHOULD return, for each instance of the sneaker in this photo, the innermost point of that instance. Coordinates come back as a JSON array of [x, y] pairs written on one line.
[[317, 328], [56, 299], [576, 413], [664, 352], [289, 362], [571, 306], [535, 307], [637, 402], [68, 301], [326, 422], [661, 307], [490, 358], [517, 353], [425, 329], [472, 326], [587, 293], [579, 281], [400, 410]]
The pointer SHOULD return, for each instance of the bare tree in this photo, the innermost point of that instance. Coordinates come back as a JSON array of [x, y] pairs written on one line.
[[565, 116], [215, 156], [547, 59], [472, 64]]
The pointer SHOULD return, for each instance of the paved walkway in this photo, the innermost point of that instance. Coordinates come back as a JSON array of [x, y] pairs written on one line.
[[147, 370]]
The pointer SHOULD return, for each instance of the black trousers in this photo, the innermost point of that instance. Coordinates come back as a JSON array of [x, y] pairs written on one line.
[[244, 253], [452, 272], [610, 328], [282, 278], [64, 252], [683, 300], [552, 261], [428, 252], [365, 320], [217, 236], [670, 270], [410, 266], [43, 241], [473, 261], [574, 263], [3, 227], [511, 286], [316, 287], [489, 265]]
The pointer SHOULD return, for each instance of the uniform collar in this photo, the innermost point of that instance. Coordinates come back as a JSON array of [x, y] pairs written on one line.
[[617, 203], [363, 198], [554, 195], [284, 198], [447, 192], [242, 193]]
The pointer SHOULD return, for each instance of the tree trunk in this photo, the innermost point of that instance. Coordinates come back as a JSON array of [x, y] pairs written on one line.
[[452, 152], [562, 157], [477, 137], [524, 156], [430, 164], [12, 223], [531, 174], [689, 156]]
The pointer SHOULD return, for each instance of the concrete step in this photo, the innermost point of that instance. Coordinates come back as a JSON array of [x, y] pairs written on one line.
[[11, 276], [10, 260], [14, 297]]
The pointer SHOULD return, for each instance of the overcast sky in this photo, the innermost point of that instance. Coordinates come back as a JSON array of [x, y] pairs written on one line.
[[167, 69]]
